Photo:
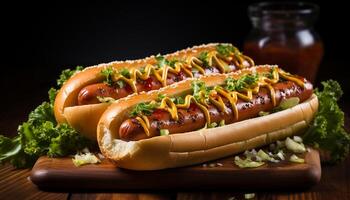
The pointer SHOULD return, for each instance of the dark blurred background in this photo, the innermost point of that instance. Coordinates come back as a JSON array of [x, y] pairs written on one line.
[[39, 40]]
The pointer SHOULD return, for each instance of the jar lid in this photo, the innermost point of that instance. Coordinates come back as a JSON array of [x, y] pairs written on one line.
[[284, 10]]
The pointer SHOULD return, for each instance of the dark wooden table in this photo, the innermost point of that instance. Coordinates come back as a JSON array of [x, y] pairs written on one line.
[[15, 184]]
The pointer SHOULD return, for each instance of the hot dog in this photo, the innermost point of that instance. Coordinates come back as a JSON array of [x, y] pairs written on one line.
[[78, 103], [198, 120], [193, 118]]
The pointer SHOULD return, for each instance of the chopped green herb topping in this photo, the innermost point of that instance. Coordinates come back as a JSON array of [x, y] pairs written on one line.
[[162, 61], [200, 91], [270, 73], [142, 70], [226, 49], [204, 58], [178, 100], [108, 74], [161, 96], [243, 82], [125, 72], [143, 109]]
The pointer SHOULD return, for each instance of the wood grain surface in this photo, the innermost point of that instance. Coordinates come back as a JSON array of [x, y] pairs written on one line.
[[15, 184], [61, 173]]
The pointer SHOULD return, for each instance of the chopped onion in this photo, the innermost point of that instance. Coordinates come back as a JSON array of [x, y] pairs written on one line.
[[265, 157], [296, 159], [280, 155], [85, 150], [298, 139], [250, 154], [249, 196], [85, 158], [294, 146], [247, 163]]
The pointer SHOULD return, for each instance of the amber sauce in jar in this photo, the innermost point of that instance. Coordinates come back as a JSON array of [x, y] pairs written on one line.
[[282, 34]]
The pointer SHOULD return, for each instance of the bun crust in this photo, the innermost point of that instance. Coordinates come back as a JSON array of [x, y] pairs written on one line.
[[197, 146]]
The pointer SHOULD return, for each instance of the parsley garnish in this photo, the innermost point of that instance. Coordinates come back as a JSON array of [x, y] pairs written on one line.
[[269, 74], [161, 96], [108, 73], [243, 82], [199, 90], [226, 49], [162, 61], [143, 70], [178, 100], [143, 109], [171, 63], [204, 58], [125, 72]]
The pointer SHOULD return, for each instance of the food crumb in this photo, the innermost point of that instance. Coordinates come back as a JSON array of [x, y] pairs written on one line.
[[249, 196], [212, 165]]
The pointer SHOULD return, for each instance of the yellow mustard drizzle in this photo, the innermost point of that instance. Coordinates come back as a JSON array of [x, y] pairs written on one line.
[[168, 105], [186, 66], [215, 97], [143, 120]]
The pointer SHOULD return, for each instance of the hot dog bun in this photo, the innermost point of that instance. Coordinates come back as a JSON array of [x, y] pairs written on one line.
[[199, 146], [84, 118]]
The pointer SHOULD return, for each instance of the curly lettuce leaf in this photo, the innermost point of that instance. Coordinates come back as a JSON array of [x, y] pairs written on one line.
[[41, 135], [327, 129], [66, 74]]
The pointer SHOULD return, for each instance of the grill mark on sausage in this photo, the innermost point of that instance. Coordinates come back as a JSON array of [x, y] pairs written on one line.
[[194, 118]]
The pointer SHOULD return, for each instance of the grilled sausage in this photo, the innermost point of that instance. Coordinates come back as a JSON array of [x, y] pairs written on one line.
[[194, 119], [88, 94]]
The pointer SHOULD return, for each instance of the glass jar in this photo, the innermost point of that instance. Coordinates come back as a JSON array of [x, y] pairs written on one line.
[[283, 34]]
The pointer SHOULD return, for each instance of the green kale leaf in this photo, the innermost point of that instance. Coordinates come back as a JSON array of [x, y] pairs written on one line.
[[327, 129], [41, 134], [66, 74]]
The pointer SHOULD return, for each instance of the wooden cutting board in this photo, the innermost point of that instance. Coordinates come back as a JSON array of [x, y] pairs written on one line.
[[60, 173]]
